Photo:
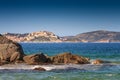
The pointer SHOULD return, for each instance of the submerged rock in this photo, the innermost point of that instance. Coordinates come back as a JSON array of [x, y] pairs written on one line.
[[35, 59], [10, 51], [67, 58], [39, 69]]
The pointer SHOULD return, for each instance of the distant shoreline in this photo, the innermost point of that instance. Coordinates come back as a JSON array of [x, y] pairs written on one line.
[[99, 36]]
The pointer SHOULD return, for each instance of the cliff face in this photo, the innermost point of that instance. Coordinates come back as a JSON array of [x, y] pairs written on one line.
[[41, 36], [95, 36]]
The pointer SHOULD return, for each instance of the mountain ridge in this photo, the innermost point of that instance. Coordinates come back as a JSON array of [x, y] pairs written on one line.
[[97, 36], [46, 36]]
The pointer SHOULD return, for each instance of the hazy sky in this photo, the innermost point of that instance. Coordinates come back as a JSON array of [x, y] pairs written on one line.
[[63, 17]]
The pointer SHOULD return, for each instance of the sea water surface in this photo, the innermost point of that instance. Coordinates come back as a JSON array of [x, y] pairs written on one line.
[[104, 51]]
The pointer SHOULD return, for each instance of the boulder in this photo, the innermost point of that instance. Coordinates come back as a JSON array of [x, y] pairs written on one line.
[[67, 58], [39, 69], [10, 51], [36, 59], [97, 61]]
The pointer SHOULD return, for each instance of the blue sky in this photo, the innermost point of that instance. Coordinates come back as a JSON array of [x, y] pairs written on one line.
[[63, 17]]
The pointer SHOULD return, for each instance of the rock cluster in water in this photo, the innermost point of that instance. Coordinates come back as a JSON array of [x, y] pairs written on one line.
[[12, 52], [67, 58], [64, 58]]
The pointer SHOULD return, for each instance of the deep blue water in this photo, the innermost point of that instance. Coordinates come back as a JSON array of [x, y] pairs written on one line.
[[110, 51]]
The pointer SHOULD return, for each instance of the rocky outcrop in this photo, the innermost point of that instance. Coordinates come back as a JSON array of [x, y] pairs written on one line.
[[10, 51], [67, 58], [36, 59]]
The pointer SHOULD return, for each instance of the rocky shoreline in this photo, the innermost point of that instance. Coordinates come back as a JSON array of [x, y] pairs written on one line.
[[12, 53]]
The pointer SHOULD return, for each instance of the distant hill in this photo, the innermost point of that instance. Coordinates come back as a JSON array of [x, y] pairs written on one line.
[[95, 36], [41, 36], [46, 36]]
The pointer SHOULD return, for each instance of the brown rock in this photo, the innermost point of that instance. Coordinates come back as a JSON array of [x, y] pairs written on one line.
[[67, 58], [10, 51], [14, 56], [39, 69], [36, 59], [97, 61], [2, 62], [4, 40]]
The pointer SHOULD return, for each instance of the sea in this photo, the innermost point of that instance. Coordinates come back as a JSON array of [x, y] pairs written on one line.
[[104, 51]]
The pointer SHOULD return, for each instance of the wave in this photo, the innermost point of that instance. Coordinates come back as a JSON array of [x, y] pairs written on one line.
[[59, 68]]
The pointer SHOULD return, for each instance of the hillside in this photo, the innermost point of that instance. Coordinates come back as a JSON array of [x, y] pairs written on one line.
[[41, 36], [45, 36], [95, 36]]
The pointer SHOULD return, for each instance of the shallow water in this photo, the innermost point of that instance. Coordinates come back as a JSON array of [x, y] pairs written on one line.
[[61, 72], [60, 76]]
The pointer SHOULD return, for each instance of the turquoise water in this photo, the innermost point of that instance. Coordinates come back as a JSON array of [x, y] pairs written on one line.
[[61, 76], [105, 51]]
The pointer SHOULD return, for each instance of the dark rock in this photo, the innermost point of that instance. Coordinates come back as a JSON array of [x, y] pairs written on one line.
[[39, 69], [35, 59], [67, 58], [10, 51]]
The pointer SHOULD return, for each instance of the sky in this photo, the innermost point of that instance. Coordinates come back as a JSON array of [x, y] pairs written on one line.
[[62, 17]]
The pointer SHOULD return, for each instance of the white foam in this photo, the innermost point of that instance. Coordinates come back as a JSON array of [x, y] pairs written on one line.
[[55, 67]]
